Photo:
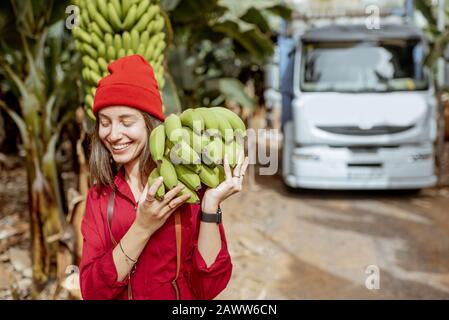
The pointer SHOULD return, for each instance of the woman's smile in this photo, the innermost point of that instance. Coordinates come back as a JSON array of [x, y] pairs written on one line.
[[120, 148]]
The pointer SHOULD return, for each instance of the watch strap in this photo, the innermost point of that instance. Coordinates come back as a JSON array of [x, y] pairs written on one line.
[[212, 217]]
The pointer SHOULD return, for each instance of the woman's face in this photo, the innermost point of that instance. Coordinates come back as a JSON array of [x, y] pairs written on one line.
[[123, 132]]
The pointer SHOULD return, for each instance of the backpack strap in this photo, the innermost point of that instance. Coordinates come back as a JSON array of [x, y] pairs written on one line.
[[178, 252], [110, 214]]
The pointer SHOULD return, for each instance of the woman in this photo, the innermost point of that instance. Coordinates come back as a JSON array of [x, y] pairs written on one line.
[[135, 246]]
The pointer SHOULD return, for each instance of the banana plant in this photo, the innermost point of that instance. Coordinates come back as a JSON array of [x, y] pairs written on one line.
[[38, 64], [438, 41], [109, 30], [217, 45]]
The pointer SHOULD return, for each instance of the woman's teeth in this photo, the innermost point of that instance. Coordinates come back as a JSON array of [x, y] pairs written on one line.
[[120, 146]]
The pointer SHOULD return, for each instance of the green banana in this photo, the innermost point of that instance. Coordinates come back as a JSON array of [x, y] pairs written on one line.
[[168, 172], [89, 100], [126, 5], [118, 42], [153, 11], [114, 17], [111, 53], [141, 49], [102, 50], [96, 41], [193, 167], [194, 199], [103, 8], [93, 65], [221, 173], [85, 60], [126, 37], [209, 176], [95, 77], [189, 178], [173, 128], [85, 17], [82, 35], [89, 50], [121, 53], [144, 37], [108, 39], [135, 39], [157, 143], [159, 24], [85, 73], [103, 64], [131, 18], [158, 50], [232, 150], [98, 18], [142, 8], [93, 90], [236, 122], [184, 153], [210, 121], [150, 28], [117, 8], [213, 153], [193, 120], [96, 29], [152, 179], [140, 26], [226, 130], [199, 142]]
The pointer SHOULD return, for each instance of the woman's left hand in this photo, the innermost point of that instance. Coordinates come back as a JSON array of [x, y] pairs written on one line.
[[231, 185]]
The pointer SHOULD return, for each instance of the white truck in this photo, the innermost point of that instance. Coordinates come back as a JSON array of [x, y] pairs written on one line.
[[363, 110]]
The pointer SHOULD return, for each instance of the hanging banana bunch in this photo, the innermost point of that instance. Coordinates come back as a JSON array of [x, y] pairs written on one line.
[[111, 29]]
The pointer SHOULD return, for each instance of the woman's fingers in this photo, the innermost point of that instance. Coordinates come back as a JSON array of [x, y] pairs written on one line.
[[173, 205], [171, 194], [153, 189], [244, 166], [227, 169], [240, 158]]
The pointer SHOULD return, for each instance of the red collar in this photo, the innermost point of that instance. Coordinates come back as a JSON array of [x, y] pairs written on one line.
[[123, 186]]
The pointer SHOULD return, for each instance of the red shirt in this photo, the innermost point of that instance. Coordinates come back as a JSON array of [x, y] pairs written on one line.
[[156, 266]]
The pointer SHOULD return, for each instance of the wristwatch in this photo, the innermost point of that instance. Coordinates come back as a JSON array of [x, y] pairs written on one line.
[[211, 217]]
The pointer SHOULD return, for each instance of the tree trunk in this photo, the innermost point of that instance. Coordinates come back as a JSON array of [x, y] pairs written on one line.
[[45, 221]]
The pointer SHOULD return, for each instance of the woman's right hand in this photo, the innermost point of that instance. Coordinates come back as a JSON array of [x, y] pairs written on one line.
[[152, 213]]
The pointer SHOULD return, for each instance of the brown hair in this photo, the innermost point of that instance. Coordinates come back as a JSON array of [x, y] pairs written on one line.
[[103, 168]]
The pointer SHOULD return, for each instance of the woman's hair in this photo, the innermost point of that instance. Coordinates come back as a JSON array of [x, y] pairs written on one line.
[[103, 168]]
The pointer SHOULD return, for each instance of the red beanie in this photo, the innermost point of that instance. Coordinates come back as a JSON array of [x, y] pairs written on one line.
[[132, 84]]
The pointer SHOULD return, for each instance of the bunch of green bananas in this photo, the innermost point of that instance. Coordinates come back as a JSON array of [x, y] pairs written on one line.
[[190, 148], [111, 29]]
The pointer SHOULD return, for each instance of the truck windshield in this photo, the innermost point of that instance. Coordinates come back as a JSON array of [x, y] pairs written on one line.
[[393, 65]]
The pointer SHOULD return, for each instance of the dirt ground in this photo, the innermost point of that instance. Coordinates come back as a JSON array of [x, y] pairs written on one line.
[[318, 244], [295, 244]]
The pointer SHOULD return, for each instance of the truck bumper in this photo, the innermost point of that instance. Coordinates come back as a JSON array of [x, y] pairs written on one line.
[[324, 167]]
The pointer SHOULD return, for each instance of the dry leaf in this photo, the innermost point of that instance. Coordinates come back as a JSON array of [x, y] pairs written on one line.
[[20, 259]]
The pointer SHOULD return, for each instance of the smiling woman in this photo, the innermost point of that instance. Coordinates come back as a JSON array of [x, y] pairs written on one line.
[[135, 245], [120, 135]]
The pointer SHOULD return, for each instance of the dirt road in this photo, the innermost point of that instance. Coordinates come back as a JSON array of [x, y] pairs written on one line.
[[318, 244]]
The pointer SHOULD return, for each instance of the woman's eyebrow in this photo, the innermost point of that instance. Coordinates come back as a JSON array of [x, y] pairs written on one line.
[[104, 116], [127, 116]]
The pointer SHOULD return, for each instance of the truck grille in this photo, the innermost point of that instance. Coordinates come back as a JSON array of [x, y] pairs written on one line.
[[356, 131]]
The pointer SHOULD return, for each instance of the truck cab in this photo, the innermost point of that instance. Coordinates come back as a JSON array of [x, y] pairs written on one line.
[[363, 112]]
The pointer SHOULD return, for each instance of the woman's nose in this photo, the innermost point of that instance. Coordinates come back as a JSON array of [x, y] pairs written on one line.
[[116, 133]]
